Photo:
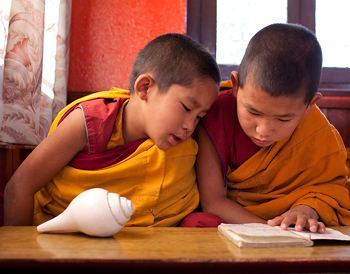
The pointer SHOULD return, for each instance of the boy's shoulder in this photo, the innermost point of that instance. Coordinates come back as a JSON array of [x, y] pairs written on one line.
[[226, 104], [315, 129], [227, 95], [314, 120], [110, 94]]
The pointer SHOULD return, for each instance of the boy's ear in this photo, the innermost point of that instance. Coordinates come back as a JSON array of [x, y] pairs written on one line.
[[142, 84], [317, 97], [234, 80]]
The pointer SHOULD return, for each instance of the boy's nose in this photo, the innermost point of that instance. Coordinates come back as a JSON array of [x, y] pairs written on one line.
[[190, 125], [263, 129]]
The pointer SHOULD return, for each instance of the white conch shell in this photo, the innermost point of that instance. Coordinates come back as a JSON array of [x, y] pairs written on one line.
[[95, 212]]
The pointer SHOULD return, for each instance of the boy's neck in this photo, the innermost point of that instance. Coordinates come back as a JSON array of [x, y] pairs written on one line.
[[132, 125]]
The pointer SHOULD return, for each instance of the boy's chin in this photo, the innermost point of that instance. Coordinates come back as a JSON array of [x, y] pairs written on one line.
[[164, 146]]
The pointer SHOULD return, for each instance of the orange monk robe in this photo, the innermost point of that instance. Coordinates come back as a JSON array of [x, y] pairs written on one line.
[[308, 167], [161, 184], [348, 159]]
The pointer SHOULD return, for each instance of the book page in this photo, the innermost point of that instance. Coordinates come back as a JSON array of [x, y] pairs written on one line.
[[261, 230], [329, 234], [262, 235], [264, 230]]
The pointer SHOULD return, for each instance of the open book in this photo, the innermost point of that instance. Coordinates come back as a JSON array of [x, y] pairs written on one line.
[[263, 235]]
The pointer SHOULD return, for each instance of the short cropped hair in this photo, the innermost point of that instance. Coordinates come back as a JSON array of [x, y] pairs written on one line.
[[283, 60], [174, 58]]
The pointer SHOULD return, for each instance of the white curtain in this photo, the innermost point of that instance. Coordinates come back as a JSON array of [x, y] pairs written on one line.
[[34, 52]]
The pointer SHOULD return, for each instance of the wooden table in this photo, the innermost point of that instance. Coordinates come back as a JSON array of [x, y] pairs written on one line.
[[161, 250]]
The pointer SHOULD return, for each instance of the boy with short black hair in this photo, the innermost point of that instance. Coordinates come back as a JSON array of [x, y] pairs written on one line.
[[267, 154], [137, 145]]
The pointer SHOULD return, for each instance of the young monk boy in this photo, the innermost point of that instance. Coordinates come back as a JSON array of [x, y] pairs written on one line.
[[266, 152], [137, 145]]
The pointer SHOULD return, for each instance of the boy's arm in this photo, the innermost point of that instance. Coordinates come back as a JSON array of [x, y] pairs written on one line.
[[213, 193], [46, 160], [302, 216]]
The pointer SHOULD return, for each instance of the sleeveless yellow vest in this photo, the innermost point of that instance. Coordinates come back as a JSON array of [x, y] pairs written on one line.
[[161, 184]]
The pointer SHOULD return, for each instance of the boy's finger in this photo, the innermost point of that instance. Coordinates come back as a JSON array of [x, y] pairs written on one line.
[[313, 225], [287, 221], [300, 223], [321, 227], [275, 221]]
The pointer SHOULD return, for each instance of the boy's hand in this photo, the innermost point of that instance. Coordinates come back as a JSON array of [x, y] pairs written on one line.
[[302, 216]]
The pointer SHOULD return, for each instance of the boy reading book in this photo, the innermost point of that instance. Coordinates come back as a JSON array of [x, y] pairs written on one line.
[[267, 154]]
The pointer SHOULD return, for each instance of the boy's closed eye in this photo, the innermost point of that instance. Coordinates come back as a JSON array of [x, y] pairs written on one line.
[[188, 110], [258, 114], [254, 113], [284, 121]]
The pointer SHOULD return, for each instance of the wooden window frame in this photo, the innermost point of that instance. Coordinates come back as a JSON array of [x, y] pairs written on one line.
[[201, 25]]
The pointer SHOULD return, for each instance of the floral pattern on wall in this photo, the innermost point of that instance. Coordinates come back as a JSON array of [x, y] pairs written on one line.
[[34, 67]]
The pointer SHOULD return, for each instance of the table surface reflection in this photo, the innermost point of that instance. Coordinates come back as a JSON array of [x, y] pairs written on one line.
[[159, 250]]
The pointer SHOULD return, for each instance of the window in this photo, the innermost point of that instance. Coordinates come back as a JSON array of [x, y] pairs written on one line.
[[334, 40], [328, 19], [235, 28]]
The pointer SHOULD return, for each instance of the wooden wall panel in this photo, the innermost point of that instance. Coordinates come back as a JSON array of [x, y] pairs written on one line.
[[6, 167], [340, 118], [10, 160], [337, 110]]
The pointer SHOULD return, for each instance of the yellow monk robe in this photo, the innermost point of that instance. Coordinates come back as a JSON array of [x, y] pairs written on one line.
[[308, 167], [161, 184]]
